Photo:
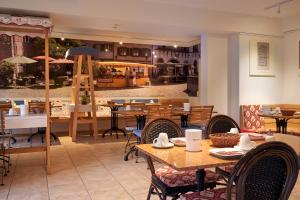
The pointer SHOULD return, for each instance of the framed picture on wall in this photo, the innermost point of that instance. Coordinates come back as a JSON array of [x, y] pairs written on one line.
[[261, 58]]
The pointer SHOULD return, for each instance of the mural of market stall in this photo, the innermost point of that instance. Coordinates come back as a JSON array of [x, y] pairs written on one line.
[[122, 74]]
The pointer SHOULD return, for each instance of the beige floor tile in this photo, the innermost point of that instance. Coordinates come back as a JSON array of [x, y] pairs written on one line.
[[73, 191]]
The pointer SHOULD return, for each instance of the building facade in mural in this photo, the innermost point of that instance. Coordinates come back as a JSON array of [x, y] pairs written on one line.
[[120, 66]]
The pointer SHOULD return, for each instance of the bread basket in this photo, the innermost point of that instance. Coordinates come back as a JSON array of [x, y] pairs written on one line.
[[224, 139], [288, 112]]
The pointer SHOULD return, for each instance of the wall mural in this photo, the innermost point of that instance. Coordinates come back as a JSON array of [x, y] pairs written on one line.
[[123, 71]]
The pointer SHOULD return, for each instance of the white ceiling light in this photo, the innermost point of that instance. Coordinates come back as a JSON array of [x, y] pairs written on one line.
[[278, 5], [175, 46], [120, 42]]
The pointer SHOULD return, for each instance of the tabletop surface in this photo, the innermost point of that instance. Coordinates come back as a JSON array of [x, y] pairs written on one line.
[[279, 116], [144, 112], [29, 115], [179, 159]]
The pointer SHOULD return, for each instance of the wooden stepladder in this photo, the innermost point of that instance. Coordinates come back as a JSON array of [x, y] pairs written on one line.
[[83, 82]]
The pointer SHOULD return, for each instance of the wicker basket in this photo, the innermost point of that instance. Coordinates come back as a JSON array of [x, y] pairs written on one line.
[[224, 139], [288, 112]]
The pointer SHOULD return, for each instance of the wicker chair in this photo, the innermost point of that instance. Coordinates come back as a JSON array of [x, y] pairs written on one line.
[[268, 172], [165, 180], [220, 124]]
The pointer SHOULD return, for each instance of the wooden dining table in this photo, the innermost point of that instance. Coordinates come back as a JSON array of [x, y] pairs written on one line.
[[180, 159], [281, 120]]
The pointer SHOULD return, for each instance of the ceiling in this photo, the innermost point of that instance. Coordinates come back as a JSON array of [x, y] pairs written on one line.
[[154, 21], [246, 7]]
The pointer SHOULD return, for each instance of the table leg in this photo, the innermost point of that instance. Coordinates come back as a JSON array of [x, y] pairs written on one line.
[[200, 174], [184, 121], [278, 125], [284, 125], [113, 124]]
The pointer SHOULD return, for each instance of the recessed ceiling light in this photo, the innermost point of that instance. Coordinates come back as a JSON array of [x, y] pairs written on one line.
[[120, 42], [153, 52], [175, 46], [62, 39], [155, 56]]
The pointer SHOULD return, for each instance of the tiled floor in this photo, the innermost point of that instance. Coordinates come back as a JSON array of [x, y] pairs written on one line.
[[81, 171]]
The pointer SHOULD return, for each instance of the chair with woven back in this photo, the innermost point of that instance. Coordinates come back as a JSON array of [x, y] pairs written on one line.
[[221, 124], [199, 116], [39, 107], [269, 171], [166, 181]]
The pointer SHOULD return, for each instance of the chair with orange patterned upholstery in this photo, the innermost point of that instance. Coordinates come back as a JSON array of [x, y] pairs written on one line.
[[250, 121]]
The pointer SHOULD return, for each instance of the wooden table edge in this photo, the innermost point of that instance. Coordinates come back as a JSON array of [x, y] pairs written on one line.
[[234, 161]]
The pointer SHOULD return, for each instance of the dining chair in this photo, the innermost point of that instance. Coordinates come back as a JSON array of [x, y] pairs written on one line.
[[166, 181], [131, 126], [5, 140], [269, 171], [221, 124], [199, 116], [153, 112], [38, 107]]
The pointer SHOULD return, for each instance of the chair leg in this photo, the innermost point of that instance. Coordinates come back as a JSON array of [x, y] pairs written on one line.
[[2, 176], [128, 141], [150, 192]]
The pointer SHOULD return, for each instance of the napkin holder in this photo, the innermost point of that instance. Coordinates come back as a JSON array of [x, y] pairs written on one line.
[[193, 139], [23, 110], [186, 106]]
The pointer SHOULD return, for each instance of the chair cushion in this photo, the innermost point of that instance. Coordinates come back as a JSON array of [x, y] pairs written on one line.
[[174, 178], [215, 194], [138, 133], [130, 128]]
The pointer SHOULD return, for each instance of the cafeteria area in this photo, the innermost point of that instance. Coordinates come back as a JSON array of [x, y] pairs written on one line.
[[149, 100]]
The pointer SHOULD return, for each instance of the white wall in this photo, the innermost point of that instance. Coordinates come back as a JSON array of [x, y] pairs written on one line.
[[214, 71], [259, 90], [291, 71], [233, 76]]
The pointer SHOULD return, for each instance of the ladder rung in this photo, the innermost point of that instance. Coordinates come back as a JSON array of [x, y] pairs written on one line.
[[85, 121]]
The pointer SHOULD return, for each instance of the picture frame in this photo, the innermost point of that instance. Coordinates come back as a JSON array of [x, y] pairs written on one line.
[[261, 62]]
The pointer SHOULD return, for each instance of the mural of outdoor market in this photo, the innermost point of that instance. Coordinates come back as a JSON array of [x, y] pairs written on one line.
[[121, 70]]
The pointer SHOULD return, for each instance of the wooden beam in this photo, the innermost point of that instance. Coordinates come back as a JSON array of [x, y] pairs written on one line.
[[24, 29], [47, 100], [25, 150]]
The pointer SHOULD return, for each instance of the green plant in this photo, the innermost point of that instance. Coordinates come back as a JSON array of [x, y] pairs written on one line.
[[85, 99], [6, 74]]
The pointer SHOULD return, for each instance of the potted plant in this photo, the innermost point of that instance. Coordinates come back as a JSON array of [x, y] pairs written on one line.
[[85, 99]]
